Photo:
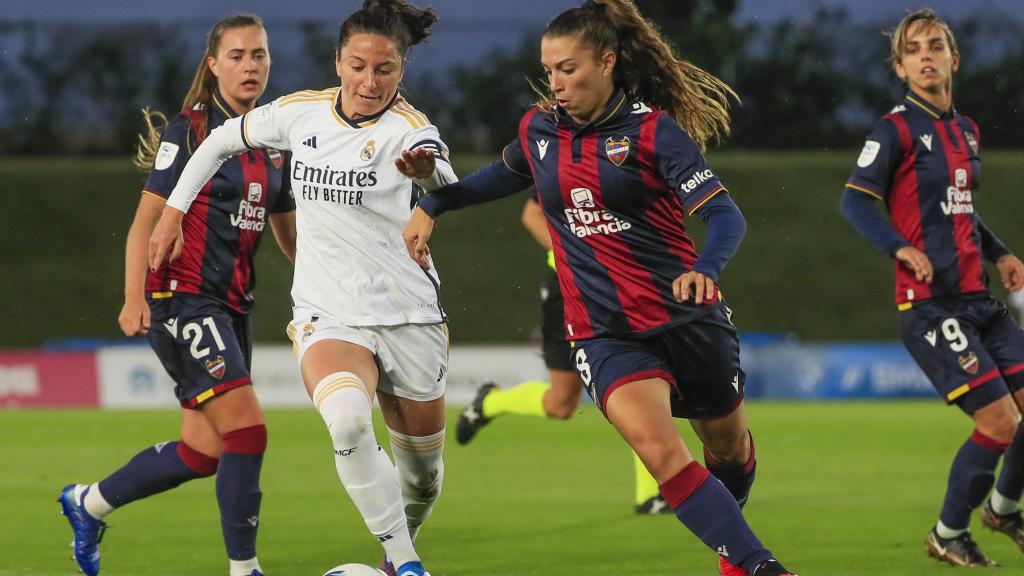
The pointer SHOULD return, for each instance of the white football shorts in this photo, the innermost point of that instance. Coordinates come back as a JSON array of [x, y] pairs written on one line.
[[412, 358]]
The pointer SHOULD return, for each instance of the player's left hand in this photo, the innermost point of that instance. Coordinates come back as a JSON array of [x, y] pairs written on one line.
[[703, 287], [1012, 272], [418, 163]]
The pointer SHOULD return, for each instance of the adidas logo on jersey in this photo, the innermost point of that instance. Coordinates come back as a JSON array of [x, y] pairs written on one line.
[[310, 142]]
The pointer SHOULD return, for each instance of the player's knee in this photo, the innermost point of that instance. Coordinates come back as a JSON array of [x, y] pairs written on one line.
[[730, 448], [248, 440]]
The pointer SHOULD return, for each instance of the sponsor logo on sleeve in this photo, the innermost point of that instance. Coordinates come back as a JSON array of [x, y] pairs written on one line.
[[868, 153], [165, 156], [694, 182]]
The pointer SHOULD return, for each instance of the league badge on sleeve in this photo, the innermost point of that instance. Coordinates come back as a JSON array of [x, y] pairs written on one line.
[[868, 154], [617, 150], [216, 367], [165, 156]]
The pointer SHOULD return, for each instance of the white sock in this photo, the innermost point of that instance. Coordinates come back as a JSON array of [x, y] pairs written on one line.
[[363, 466], [1002, 505], [243, 567], [421, 473], [946, 533], [93, 502]]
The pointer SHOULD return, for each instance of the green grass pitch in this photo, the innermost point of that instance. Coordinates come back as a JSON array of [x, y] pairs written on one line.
[[842, 489]]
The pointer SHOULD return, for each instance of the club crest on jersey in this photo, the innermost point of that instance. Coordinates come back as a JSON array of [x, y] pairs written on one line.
[[276, 158], [366, 154], [972, 142], [617, 150], [969, 363], [216, 367]]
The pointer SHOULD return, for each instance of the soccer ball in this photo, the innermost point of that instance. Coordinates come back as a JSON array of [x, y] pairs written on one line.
[[353, 570]]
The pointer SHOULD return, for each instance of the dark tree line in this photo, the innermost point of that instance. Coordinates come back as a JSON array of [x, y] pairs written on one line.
[[818, 83]]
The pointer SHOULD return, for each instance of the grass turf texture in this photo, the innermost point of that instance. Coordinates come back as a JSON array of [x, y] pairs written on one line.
[[843, 489]]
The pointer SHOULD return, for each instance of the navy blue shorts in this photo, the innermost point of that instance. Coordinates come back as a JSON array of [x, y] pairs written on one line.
[[555, 347], [970, 348], [205, 346], [700, 359]]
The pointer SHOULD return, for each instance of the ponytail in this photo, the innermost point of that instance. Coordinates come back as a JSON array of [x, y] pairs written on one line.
[[647, 68], [399, 20]]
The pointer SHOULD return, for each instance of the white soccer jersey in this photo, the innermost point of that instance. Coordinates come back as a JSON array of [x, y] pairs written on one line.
[[352, 204]]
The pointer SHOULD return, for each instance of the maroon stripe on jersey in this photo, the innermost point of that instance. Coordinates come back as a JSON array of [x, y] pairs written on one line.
[[664, 211], [905, 212], [254, 171], [220, 389], [968, 252], [188, 269], [576, 314], [642, 305]]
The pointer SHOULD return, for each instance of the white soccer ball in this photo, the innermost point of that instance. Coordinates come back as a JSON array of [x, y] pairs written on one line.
[[353, 570]]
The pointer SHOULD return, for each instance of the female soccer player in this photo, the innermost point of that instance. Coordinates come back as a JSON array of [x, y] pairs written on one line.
[[367, 320], [652, 338], [559, 397], [195, 311], [922, 161]]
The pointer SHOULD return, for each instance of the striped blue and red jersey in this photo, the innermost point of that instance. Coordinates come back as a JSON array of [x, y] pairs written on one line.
[[924, 164], [615, 193], [223, 228]]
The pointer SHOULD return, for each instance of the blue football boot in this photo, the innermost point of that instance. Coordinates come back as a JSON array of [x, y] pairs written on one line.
[[88, 531], [412, 569]]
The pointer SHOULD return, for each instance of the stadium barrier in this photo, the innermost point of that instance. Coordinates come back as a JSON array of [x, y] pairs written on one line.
[[130, 376]]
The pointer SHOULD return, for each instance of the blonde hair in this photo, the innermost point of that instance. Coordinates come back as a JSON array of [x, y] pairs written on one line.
[[647, 67], [199, 96], [928, 18]]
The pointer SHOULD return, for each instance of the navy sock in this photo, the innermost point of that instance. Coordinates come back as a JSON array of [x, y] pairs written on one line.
[[970, 479], [155, 470], [738, 479], [238, 489], [1011, 479], [704, 506]]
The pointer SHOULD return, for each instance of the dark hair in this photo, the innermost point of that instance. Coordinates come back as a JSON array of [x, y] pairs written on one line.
[[399, 20], [200, 94], [647, 68]]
